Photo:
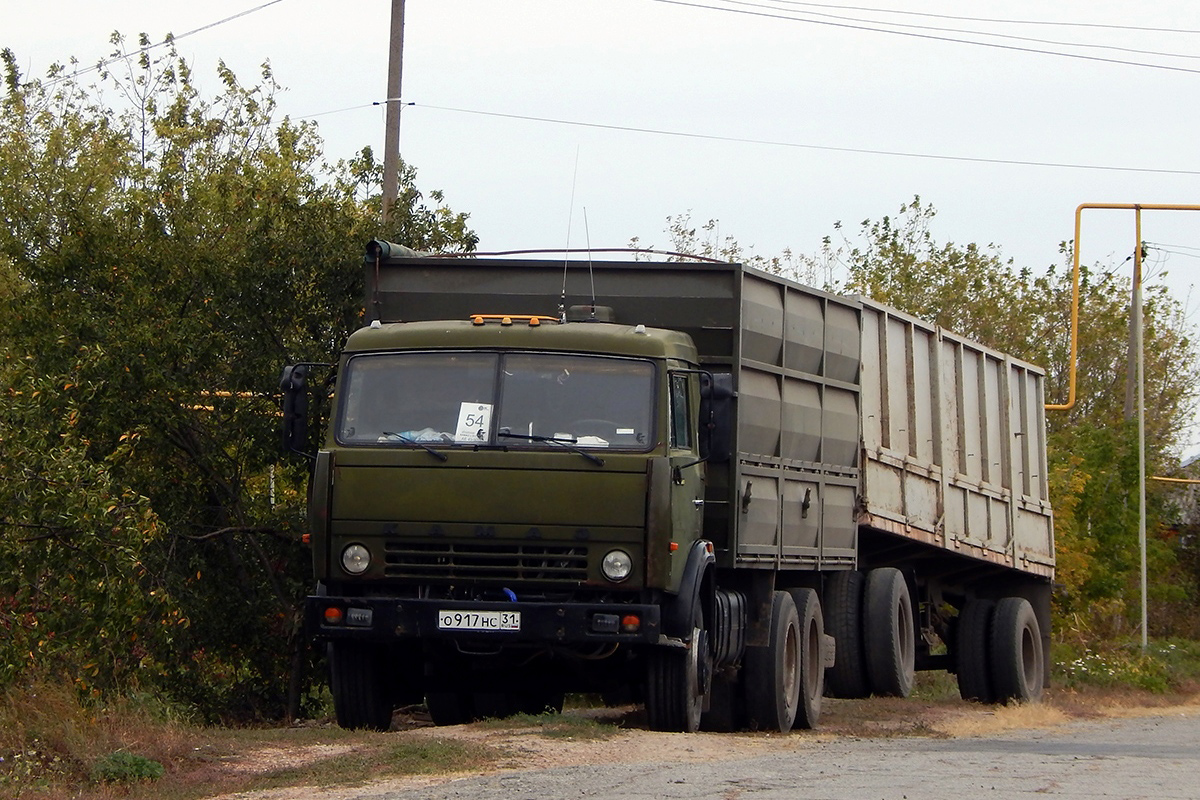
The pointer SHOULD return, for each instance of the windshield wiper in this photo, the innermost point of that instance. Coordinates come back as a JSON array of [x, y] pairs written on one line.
[[440, 456], [569, 444]]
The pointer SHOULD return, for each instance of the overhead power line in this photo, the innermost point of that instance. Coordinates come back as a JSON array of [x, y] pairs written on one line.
[[1011, 37], [803, 145], [171, 38], [991, 20], [927, 36]]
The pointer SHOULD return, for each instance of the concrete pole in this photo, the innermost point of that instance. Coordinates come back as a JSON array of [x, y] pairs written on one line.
[[391, 136]]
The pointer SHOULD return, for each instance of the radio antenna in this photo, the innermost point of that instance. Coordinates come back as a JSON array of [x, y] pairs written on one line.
[[562, 303], [587, 234]]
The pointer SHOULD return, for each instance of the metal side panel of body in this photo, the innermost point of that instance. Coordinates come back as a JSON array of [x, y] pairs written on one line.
[[797, 434], [954, 443]]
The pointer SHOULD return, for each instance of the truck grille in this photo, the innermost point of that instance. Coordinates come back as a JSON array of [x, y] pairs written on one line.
[[476, 561]]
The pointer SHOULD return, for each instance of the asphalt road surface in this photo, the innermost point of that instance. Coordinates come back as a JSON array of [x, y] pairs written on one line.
[[1148, 757]]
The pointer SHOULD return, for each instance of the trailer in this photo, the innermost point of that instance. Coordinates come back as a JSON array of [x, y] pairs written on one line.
[[701, 487]]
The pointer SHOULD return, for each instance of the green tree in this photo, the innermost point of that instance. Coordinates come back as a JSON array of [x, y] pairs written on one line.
[[1093, 448], [160, 261]]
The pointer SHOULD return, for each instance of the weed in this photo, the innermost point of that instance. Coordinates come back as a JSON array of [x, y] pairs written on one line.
[[125, 767], [1162, 667]]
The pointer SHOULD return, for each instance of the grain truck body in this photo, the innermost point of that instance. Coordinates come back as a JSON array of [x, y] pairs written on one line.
[[814, 494]]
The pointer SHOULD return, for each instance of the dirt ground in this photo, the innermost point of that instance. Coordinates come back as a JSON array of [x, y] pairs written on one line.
[[526, 748]]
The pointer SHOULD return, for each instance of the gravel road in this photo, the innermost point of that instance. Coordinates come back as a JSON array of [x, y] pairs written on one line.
[[1147, 757]]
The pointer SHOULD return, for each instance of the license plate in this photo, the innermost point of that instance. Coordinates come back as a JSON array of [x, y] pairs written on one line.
[[479, 620]]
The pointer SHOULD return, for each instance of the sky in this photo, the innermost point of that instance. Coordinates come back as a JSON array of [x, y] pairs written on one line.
[[777, 118]]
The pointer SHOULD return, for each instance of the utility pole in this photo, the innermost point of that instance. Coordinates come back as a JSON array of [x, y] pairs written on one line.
[[391, 134]]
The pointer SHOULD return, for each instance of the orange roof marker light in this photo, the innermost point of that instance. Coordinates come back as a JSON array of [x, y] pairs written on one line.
[[534, 320]]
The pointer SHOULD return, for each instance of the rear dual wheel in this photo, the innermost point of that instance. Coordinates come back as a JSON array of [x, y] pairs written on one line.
[[974, 651], [1000, 656], [786, 679], [890, 633], [843, 606], [1017, 655]]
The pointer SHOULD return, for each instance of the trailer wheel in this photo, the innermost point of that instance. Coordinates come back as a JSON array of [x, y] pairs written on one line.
[[890, 633], [812, 664], [843, 604], [772, 673], [1017, 652], [675, 684], [972, 651], [358, 678]]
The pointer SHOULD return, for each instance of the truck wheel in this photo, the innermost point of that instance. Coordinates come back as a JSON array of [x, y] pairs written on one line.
[[675, 685], [726, 709], [812, 664], [494, 705], [1017, 652], [890, 633], [536, 703], [772, 673], [972, 651], [358, 678], [450, 708], [843, 620]]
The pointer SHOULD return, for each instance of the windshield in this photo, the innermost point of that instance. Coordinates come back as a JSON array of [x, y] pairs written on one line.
[[520, 400]]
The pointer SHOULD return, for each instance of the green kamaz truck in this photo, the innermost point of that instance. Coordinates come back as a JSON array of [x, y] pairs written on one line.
[[699, 487]]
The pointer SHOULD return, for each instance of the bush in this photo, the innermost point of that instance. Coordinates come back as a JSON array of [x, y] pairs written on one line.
[[1164, 666]]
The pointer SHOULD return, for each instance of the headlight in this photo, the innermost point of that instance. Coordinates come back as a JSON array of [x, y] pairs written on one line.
[[356, 559], [616, 565]]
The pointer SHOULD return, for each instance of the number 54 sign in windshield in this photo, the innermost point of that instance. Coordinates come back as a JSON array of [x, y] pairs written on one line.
[[474, 423]]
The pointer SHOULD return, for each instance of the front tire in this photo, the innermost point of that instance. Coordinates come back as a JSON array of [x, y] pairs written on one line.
[[675, 685], [358, 678]]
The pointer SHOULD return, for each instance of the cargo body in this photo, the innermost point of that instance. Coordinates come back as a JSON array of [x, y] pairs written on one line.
[[705, 488]]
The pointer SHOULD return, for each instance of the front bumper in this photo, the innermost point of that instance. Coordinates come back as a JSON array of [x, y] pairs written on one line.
[[391, 618]]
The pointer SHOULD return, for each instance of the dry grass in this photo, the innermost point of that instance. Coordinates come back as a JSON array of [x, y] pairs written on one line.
[[50, 741], [1001, 718]]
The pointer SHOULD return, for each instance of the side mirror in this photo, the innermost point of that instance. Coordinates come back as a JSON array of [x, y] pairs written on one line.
[[294, 384], [716, 416]]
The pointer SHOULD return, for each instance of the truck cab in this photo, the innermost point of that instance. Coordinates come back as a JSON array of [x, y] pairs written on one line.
[[496, 496]]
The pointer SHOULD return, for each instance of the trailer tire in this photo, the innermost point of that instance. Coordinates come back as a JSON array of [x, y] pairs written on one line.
[[1017, 658], [675, 685], [973, 651], [772, 673], [890, 632], [812, 662], [843, 607], [358, 681]]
